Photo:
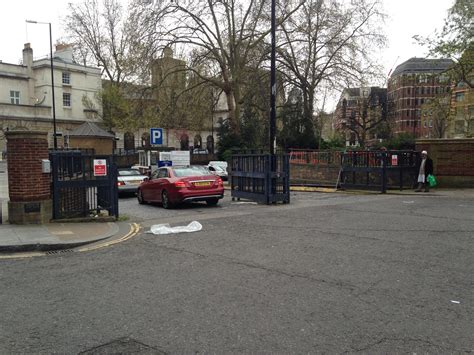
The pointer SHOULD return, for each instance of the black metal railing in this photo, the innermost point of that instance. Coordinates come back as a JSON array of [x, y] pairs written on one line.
[[378, 170]]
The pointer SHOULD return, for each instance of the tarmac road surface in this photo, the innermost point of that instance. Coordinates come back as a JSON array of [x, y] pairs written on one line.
[[328, 273]]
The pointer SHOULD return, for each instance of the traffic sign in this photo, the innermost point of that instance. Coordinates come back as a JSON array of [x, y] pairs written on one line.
[[156, 136], [100, 167]]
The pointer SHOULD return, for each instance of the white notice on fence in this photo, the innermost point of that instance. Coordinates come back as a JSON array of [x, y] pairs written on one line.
[[180, 157]]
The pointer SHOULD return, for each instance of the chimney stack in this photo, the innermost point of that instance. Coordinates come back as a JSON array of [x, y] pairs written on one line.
[[64, 51], [28, 56]]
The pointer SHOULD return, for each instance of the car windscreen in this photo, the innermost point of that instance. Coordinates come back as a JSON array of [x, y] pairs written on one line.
[[190, 171], [219, 168], [130, 172]]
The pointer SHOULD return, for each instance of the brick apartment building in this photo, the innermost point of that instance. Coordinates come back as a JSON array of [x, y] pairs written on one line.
[[411, 84], [357, 110]]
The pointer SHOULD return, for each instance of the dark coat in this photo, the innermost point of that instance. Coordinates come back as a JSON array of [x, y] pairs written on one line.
[[428, 167]]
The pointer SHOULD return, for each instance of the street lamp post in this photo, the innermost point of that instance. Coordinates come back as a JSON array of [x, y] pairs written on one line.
[[52, 78], [273, 82]]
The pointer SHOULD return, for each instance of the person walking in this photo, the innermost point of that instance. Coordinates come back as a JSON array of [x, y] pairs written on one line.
[[425, 168]]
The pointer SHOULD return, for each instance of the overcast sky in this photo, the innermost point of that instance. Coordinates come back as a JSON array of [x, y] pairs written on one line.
[[406, 18]]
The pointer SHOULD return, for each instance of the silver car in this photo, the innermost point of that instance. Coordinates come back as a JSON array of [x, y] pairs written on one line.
[[129, 179]]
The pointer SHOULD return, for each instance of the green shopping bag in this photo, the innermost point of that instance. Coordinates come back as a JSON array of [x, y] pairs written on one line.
[[431, 180]]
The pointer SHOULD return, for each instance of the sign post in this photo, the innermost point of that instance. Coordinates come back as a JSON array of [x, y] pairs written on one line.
[[156, 136]]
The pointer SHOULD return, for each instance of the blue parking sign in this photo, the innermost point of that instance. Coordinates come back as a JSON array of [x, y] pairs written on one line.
[[156, 136]]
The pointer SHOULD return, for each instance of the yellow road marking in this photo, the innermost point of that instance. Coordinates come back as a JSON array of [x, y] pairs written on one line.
[[135, 228], [22, 255]]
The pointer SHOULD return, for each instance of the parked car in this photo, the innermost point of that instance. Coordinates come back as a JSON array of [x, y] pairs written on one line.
[[128, 180], [174, 185], [219, 171], [220, 163]]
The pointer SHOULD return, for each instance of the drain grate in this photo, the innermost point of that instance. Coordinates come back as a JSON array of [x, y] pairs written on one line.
[[123, 346], [61, 251]]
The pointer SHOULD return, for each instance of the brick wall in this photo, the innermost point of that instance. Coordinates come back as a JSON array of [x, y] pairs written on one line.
[[314, 174], [26, 181], [453, 160]]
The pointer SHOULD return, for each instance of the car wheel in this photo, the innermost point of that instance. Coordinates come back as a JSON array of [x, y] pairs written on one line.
[[165, 200], [212, 201], [140, 199]]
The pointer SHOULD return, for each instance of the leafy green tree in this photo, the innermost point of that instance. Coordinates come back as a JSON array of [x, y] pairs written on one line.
[[454, 40]]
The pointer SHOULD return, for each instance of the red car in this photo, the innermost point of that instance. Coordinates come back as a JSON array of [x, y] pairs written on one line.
[[175, 185]]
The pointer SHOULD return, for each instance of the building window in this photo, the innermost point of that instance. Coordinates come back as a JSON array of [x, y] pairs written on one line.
[[66, 100], [66, 78], [471, 126], [443, 78], [460, 97], [409, 91], [14, 97], [431, 123]]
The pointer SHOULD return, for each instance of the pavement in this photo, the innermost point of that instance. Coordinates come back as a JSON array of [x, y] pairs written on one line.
[[58, 236]]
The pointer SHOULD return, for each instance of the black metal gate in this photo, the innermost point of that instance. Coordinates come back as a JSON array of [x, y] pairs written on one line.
[[260, 177], [378, 170], [79, 190]]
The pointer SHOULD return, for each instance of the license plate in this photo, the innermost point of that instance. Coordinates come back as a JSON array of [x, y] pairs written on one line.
[[205, 183], [136, 182]]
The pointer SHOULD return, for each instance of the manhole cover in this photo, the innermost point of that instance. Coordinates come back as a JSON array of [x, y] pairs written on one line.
[[123, 346]]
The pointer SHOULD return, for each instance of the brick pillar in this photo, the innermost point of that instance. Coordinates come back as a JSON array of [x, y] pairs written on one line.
[[29, 188]]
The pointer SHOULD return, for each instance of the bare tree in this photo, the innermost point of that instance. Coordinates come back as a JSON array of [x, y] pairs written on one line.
[[369, 114], [103, 34], [437, 115], [225, 37], [329, 43]]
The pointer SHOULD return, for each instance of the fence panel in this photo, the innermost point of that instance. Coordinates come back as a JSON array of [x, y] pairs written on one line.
[[378, 170], [314, 167], [260, 177]]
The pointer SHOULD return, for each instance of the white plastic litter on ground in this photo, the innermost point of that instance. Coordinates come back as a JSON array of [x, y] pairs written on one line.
[[159, 229]]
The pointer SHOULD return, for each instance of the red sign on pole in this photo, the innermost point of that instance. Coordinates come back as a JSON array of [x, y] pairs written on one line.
[[100, 167]]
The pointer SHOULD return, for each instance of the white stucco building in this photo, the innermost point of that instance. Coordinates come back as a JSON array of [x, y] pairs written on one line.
[[25, 93]]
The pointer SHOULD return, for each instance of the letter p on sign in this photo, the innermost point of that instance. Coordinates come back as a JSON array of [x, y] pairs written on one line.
[[156, 136]]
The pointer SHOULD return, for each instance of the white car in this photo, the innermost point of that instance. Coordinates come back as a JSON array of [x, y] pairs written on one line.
[[129, 179], [219, 171], [220, 163]]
